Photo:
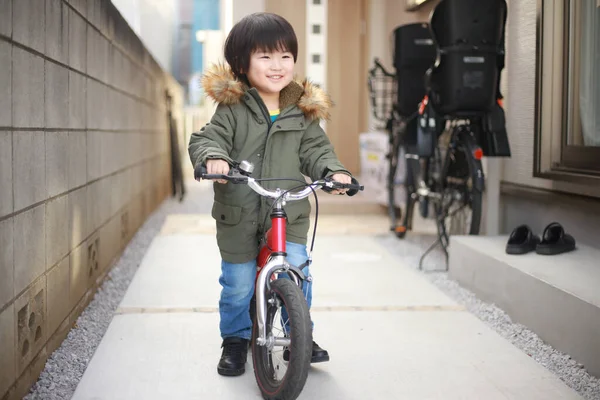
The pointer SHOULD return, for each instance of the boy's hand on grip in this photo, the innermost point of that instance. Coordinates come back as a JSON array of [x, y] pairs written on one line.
[[341, 178], [217, 167]]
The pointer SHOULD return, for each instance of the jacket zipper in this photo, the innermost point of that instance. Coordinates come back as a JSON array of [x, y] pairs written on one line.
[[264, 110]]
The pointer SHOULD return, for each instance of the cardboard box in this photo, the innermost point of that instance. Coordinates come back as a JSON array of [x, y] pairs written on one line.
[[374, 148]]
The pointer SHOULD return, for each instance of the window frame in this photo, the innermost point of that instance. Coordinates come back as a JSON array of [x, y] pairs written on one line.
[[554, 157]]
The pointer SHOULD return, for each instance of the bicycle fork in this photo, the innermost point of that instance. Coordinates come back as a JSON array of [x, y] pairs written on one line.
[[276, 237]]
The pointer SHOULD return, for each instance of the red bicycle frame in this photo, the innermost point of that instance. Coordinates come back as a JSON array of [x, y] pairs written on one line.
[[271, 258], [275, 240]]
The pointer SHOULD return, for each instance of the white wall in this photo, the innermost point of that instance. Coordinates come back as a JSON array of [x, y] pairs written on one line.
[[316, 43], [154, 22], [520, 102], [226, 16], [241, 8], [379, 34]]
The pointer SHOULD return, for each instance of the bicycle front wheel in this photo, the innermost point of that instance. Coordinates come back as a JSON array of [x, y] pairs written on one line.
[[279, 379], [394, 211]]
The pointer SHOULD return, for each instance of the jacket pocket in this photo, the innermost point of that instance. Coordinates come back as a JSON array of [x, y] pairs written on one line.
[[229, 215], [297, 212]]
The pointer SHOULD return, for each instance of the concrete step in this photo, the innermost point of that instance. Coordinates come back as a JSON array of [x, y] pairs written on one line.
[[557, 297]]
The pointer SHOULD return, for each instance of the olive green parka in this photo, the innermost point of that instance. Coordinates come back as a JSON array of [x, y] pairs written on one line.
[[293, 145]]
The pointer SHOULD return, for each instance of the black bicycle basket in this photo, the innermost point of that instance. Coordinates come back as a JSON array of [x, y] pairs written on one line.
[[382, 90]]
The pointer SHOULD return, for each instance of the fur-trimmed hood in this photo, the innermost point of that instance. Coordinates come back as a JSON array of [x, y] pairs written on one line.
[[220, 84]]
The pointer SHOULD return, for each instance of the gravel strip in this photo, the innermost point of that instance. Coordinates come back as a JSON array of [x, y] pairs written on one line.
[[562, 365], [65, 367]]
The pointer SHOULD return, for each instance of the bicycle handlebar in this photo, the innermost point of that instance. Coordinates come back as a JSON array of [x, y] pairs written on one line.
[[236, 176]]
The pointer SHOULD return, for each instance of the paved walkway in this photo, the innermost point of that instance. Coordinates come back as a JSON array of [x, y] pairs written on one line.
[[391, 334]]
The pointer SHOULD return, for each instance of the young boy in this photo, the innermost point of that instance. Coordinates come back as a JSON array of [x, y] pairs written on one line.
[[267, 118]]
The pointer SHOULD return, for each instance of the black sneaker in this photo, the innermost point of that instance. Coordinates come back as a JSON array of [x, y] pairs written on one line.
[[233, 358], [318, 354]]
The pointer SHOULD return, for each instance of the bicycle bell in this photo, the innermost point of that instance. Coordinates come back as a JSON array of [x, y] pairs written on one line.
[[246, 168]]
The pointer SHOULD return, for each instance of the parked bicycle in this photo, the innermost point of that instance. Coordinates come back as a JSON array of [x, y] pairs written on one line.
[[458, 118], [282, 328], [383, 87], [443, 170]]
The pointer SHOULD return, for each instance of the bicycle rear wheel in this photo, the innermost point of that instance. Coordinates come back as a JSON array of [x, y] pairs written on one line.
[[279, 379], [462, 187]]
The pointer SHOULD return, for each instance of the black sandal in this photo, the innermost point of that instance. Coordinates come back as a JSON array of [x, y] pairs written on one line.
[[555, 241], [522, 241]]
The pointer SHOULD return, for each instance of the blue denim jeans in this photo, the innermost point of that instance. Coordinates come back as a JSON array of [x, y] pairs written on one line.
[[237, 281]]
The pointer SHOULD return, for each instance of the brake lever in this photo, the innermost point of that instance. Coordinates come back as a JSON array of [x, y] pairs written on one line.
[[234, 176], [237, 179]]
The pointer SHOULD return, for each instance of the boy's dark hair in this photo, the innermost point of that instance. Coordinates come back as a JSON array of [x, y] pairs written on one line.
[[258, 31]]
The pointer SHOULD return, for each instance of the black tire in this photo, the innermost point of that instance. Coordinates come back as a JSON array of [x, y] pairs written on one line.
[[289, 386], [424, 201], [394, 212], [411, 179], [252, 315], [462, 166], [476, 200], [253, 309]]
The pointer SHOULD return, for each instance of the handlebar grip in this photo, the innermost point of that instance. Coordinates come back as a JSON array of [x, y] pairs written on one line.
[[353, 187], [349, 186], [200, 173], [216, 176]]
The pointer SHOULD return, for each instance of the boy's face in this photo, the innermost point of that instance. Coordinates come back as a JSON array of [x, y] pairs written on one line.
[[270, 72]]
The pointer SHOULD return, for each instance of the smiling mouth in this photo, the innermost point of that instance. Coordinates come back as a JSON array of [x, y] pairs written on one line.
[[275, 77]]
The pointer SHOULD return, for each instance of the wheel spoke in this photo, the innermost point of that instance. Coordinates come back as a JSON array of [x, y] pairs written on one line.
[[458, 210], [271, 369], [276, 365]]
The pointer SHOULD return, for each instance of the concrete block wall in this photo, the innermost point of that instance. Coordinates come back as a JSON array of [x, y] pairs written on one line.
[[84, 159]]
